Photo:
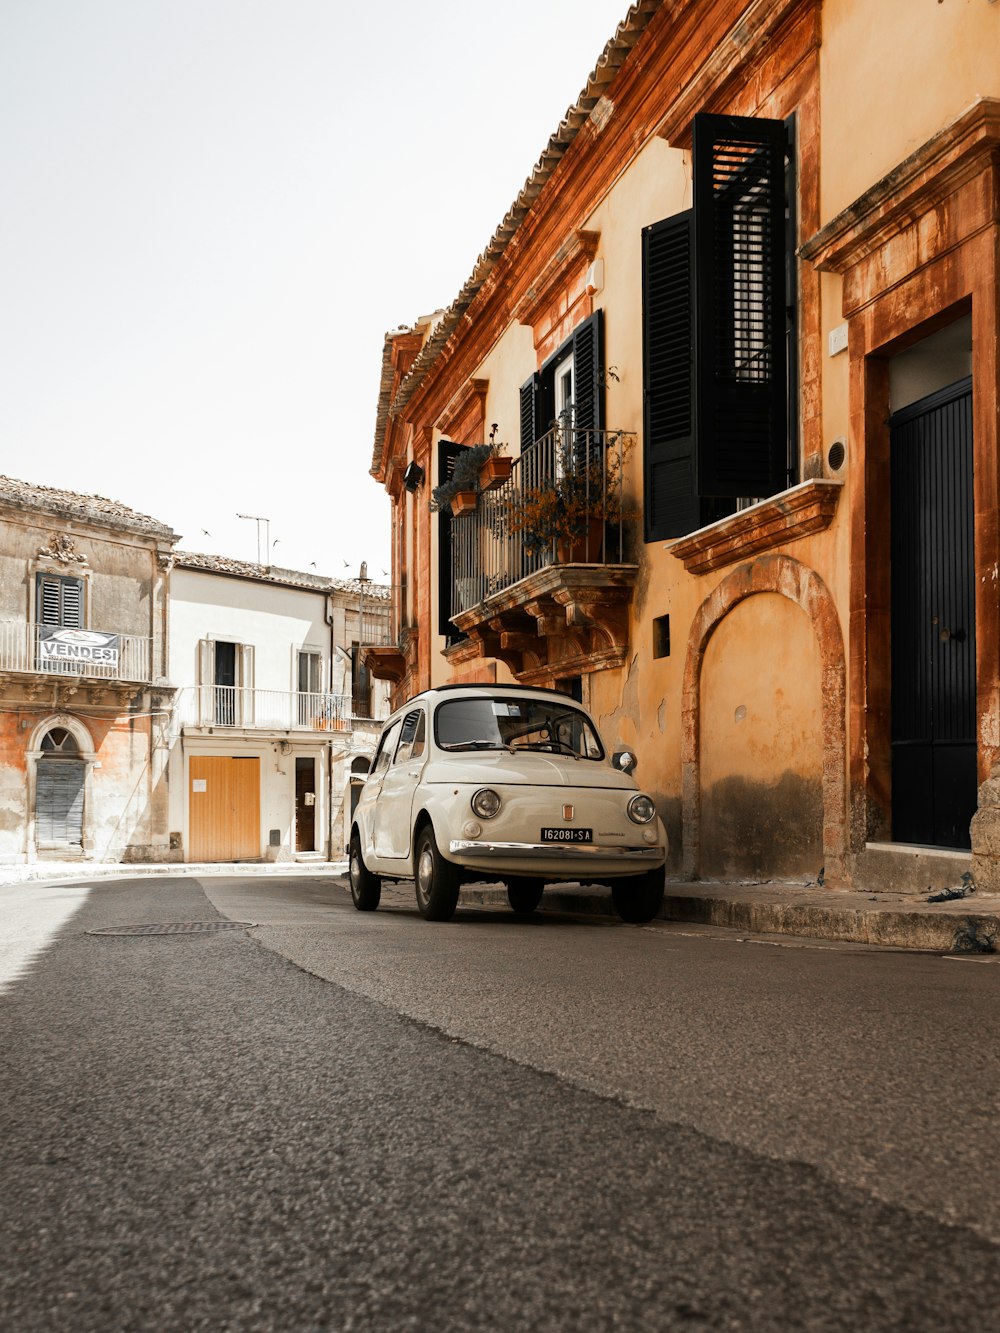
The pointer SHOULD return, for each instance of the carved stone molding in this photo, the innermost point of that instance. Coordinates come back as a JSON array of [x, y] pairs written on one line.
[[565, 620], [804, 509], [62, 550], [575, 254]]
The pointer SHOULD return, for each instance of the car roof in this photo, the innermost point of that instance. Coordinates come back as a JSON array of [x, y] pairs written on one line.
[[480, 688]]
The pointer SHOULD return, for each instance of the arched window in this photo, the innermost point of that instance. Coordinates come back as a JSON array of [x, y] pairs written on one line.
[[59, 741]]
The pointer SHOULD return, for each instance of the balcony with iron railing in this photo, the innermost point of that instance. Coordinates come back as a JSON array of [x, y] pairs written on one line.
[[388, 644], [271, 710], [87, 658], [540, 578]]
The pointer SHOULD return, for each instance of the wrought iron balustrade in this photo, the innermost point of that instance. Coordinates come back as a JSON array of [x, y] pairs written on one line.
[[564, 502]]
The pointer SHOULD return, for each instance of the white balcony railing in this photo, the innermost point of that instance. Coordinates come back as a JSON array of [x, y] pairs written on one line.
[[265, 710], [99, 654]]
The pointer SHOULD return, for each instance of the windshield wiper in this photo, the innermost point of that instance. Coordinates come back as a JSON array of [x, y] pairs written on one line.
[[474, 745]]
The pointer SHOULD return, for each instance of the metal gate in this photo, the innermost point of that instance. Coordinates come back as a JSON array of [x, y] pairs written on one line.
[[933, 620], [59, 787]]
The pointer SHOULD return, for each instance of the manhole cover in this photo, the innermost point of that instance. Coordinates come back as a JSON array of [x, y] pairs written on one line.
[[174, 928]]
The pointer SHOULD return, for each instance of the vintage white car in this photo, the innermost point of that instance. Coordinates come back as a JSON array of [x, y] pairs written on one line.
[[493, 782]]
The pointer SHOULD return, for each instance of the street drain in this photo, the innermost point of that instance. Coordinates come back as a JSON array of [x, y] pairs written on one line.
[[174, 928]]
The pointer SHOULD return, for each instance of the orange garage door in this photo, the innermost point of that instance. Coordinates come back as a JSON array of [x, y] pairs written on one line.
[[224, 802]]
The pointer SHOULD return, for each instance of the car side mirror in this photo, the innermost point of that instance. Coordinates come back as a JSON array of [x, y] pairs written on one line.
[[625, 760]]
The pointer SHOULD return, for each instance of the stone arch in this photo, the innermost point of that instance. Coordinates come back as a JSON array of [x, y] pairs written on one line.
[[803, 586], [84, 743]]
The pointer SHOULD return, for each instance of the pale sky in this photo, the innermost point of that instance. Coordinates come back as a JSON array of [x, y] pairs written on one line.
[[213, 210]]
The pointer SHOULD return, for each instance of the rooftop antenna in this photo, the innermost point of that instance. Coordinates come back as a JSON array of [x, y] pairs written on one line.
[[255, 518]]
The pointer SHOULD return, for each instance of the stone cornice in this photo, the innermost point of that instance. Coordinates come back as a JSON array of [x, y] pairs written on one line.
[[745, 42], [797, 512], [459, 405], [574, 255], [939, 167]]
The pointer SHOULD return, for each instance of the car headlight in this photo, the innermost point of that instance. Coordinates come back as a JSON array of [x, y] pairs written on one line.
[[486, 803], [641, 810]]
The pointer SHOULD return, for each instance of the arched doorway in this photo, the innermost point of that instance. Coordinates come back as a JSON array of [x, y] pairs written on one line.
[[60, 782], [790, 579]]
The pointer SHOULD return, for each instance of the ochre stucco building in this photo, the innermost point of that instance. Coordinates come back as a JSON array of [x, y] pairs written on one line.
[[762, 246]]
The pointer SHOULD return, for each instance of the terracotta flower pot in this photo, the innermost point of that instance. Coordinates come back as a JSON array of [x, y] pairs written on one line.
[[587, 549], [463, 502], [495, 471]]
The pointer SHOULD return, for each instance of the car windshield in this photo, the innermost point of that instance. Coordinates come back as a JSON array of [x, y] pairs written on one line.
[[517, 723]]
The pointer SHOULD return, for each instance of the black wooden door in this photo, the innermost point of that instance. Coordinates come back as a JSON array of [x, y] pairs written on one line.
[[933, 620]]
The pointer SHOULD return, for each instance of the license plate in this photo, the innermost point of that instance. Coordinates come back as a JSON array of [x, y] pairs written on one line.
[[567, 835]]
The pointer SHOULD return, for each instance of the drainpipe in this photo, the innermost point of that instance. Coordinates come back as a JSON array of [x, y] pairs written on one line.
[[329, 743]]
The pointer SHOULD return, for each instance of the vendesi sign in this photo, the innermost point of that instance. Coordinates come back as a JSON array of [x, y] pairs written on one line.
[[59, 646]]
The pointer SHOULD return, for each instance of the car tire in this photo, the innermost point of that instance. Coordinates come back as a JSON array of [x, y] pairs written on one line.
[[638, 898], [524, 895], [366, 888], [437, 880]]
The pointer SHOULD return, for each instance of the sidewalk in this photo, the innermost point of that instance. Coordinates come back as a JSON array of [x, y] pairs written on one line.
[[961, 925]]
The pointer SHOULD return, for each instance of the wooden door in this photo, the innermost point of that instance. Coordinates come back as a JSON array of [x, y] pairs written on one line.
[[933, 621], [305, 805], [224, 805]]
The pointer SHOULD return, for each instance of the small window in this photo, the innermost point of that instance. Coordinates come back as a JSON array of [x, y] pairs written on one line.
[[411, 740], [661, 636]]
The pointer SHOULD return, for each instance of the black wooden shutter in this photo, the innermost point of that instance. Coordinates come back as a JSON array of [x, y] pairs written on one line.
[[739, 261], [448, 452], [671, 507], [531, 425], [588, 373]]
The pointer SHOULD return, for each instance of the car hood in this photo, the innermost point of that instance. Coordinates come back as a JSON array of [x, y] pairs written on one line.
[[526, 769]]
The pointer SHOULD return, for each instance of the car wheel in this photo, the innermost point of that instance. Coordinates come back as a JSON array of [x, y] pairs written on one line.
[[638, 898], [366, 888], [437, 880], [524, 895]]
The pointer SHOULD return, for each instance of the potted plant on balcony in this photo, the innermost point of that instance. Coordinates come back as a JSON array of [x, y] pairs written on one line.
[[458, 494], [567, 514], [496, 469]]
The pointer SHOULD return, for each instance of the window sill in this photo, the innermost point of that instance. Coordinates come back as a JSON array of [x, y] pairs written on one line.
[[803, 509]]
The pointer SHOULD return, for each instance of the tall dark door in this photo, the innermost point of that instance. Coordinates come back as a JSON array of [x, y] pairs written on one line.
[[933, 620], [305, 805]]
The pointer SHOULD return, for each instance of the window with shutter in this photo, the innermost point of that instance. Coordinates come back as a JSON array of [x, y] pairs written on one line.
[[718, 320], [448, 451], [541, 405], [59, 601], [739, 260]]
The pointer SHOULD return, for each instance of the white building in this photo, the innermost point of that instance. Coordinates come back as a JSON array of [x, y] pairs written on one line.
[[274, 712]]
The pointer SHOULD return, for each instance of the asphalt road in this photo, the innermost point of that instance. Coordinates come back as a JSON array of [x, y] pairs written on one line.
[[350, 1121]]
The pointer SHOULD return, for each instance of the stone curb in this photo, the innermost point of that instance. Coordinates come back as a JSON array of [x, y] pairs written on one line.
[[948, 931]]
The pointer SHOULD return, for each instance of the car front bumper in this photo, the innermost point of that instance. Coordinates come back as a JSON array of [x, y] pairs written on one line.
[[557, 853]]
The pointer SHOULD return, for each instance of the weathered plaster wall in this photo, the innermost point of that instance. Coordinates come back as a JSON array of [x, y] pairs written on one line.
[[118, 572], [761, 743], [872, 118]]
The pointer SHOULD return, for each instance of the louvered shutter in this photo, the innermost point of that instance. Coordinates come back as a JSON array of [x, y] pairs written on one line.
[[670, 504], [448, 452], [531, 427], [739, 248], [59, 601], [59, 789], [588, 373], [245, 679]]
